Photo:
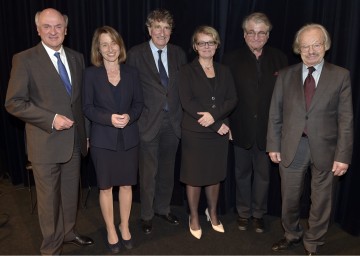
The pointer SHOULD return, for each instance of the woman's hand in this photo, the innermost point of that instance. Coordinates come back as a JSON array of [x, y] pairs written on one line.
[[224, 129], [120, 121], [206, 119]]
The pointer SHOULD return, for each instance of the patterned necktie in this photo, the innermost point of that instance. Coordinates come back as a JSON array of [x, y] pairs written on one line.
[[63, 73], [309, 87], [163, 77]]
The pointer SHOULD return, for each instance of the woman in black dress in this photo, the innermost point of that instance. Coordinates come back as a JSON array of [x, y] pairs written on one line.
[[207, 95], [113, 102]]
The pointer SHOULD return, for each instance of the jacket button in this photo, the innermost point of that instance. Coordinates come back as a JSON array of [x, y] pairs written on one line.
[[213, 106], [213, 98]]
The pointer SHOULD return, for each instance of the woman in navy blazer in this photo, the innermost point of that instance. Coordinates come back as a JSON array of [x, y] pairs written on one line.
[[113, 101], [207, 95]]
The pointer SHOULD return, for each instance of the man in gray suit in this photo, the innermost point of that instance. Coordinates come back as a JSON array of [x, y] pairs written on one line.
[[310, 125], [158, 63], [55, 127]]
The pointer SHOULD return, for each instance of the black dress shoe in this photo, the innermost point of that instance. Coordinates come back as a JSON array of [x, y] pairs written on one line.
[[146, 226], [171, 218], [114, 248], [284, 244], [127, 243], [80, 241]]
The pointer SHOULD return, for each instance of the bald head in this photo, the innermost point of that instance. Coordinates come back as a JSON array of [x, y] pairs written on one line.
[[52, 27]]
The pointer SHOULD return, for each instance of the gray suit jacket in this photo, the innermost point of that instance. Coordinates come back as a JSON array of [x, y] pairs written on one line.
[[36, 93], [155, 94], [329, 119]]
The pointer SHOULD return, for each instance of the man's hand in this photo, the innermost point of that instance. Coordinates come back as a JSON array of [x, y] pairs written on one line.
[[275, 157], [62, 123], [339, 169]]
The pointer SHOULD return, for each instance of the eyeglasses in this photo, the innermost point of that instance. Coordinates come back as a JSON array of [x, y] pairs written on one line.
[[315, 47], [210, 43], [260, 34]]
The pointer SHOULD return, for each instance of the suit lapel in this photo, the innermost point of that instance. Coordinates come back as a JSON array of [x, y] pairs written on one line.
[[321, 86], [150, 61], [298, 86]]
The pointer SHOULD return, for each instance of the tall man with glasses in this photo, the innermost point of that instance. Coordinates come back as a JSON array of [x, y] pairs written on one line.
[[254, 68], [310, 125], [158, 63]]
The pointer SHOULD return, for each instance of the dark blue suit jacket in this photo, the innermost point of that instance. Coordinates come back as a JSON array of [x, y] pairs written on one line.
[[100, 103]]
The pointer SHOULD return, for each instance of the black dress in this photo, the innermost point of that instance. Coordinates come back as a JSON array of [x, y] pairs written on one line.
[[203, 156], [115, 168]]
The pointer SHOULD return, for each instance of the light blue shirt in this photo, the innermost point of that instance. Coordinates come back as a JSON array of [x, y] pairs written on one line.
[[155, 53], [316, 74]]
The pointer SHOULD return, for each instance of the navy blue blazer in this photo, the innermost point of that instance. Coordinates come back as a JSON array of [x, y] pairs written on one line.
[[99, 103]]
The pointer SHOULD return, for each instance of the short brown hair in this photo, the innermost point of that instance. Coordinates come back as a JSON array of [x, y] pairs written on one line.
[[160, 15], [96, 57]]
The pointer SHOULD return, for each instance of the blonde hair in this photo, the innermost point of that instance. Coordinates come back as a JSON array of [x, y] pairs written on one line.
[[207, 30]]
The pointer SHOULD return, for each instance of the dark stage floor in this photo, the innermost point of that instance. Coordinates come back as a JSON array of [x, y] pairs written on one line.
[[21, 234]]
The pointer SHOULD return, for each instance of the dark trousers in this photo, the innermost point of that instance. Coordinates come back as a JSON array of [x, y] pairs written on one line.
[[252, 174], [57, 188], [156, 171], [292, 185]]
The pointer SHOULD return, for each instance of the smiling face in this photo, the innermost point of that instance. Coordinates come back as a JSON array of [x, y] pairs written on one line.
[[108, 48], [51, 27], [205, 45], [256, 35], [160, 32], [312, 48]]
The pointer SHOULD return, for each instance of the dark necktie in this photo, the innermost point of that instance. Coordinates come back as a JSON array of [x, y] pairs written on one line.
[[163, 76], [63, 73], [309, 87]]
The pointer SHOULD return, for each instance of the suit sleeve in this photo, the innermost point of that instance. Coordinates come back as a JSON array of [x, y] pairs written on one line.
[[18, 101], [94, 114], [275, 118], [344, 144], [138, 99]]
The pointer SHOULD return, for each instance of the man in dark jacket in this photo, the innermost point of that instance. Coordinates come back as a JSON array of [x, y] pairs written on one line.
[[254, 68]]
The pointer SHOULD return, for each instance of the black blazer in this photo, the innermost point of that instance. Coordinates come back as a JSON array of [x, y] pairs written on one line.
[[155, 94], [248, 122], [197, 95], [100, 103]]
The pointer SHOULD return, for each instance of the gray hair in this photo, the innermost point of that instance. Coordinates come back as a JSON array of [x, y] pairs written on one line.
[[257, 17], [327, 40]]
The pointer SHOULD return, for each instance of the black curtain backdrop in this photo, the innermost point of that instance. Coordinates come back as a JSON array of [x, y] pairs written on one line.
[[340, 17]]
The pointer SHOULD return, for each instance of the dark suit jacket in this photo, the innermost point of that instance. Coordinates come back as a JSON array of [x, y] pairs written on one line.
[[155, 94], [36, 93], [329, 119], [249, 120], [197, 95], [100, 103]]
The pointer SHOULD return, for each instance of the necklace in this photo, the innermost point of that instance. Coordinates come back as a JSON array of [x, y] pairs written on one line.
[[208, 67]]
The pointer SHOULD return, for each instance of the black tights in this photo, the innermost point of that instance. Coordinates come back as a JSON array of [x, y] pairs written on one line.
[[193, 196]]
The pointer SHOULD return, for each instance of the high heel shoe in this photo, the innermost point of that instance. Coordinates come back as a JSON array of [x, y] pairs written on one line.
[[195, 233], [218, 228]]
